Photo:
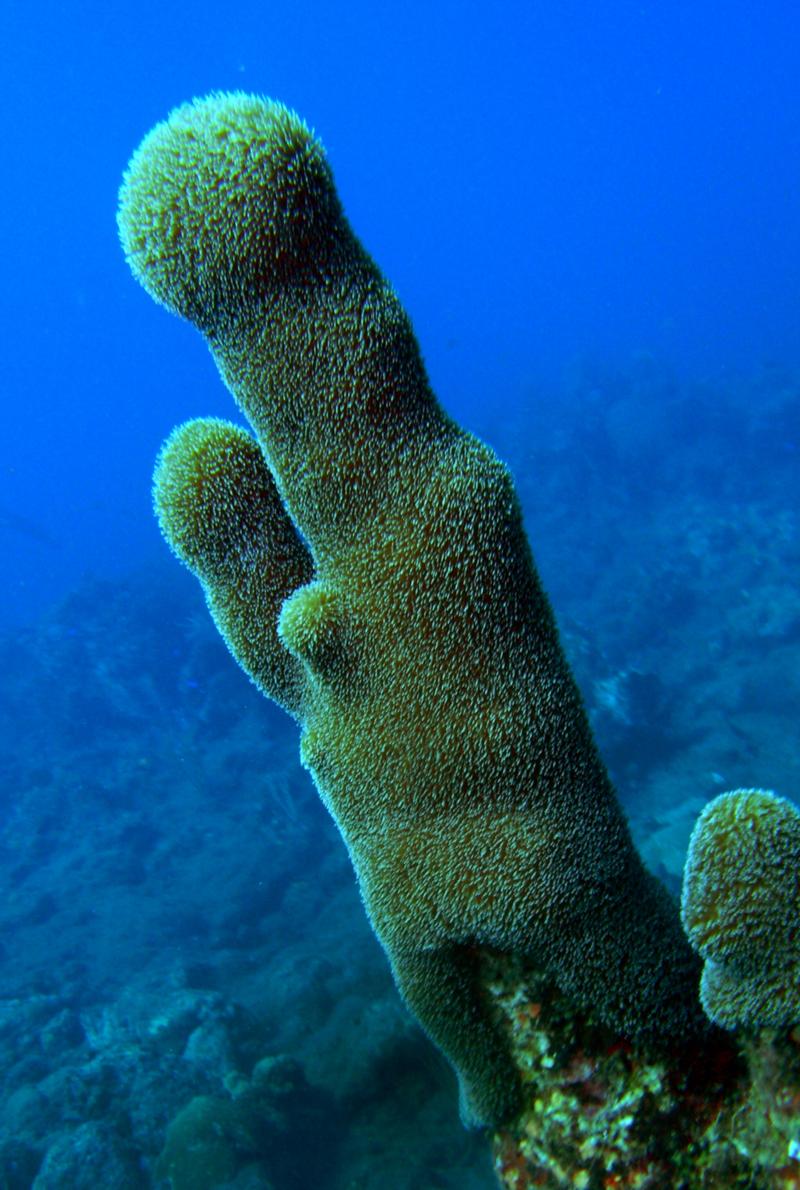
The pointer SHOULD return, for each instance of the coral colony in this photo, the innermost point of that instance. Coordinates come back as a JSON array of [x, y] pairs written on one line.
[[364, 559]]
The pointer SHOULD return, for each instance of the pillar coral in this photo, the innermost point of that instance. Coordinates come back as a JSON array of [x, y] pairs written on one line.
[[741, 907], [365, 560]]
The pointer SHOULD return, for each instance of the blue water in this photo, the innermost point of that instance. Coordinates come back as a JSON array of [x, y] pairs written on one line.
[[537, 180], [592, 214]]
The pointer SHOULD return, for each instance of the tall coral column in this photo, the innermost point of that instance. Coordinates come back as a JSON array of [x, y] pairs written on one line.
[[366, 562]]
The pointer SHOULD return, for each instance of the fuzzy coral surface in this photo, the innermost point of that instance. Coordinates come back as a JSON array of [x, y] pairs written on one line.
[[366, 562], [741, 904]]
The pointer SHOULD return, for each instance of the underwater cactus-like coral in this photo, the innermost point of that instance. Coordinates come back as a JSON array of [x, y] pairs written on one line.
[[366, 562], [741, 908]]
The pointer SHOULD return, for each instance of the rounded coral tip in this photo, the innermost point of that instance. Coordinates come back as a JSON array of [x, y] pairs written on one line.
[[741, 900], [227, 197], [213, 494]]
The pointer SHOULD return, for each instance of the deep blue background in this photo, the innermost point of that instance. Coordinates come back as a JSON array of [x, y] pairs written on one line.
[[539, 181]]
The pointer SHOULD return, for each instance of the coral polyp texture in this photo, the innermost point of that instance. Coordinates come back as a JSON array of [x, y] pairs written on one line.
[[366, 562], [741, 908], [218, 505]]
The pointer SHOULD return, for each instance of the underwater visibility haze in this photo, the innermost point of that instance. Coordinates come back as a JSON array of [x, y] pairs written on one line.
[[592, 219]]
